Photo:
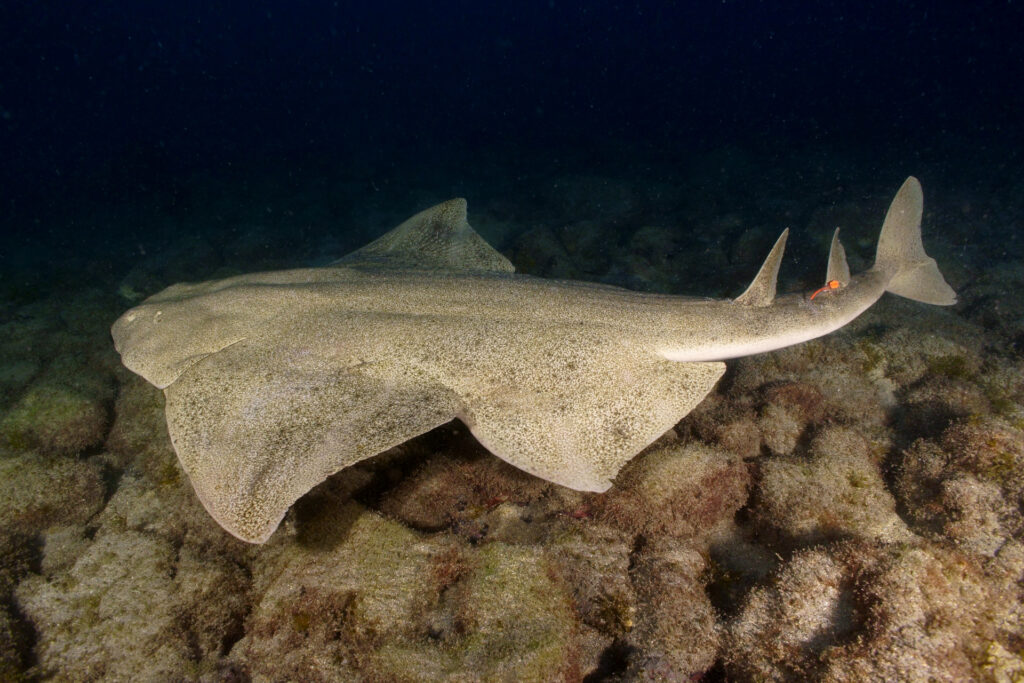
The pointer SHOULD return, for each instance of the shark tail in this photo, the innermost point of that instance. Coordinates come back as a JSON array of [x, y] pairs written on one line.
[[912, 273]]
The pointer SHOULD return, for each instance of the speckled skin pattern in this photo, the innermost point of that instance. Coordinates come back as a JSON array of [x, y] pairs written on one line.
[[274, 381]]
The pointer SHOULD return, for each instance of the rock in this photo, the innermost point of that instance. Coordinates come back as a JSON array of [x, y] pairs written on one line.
[[37, 492], [966, 485], [63, 412], [677, 634], [112, 616], [372, 598], [681, 490], [455, 491], [865, 611], [835, 492]]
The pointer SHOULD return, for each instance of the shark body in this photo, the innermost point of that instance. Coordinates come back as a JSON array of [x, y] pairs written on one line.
[[274, 381]]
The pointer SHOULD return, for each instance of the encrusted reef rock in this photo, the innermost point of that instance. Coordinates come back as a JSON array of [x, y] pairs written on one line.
[[865, 611], [63, 412], [967, 485], [372, 598], [37, 492], [835, 490], [677, 631], [112, 615], [680, 490]]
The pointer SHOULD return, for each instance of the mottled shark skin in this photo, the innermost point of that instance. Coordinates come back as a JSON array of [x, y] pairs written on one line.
[[274, 381]]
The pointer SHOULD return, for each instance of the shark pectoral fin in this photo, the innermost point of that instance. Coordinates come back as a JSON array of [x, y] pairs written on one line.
[[438, 238], [579, 431], [761, 291], [255, 427]]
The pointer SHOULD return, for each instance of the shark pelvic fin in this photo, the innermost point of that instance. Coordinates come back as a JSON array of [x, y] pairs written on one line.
[[761, 291], [838, 268]]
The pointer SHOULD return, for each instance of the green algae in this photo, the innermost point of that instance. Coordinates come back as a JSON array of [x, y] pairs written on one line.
[[538, 640], [873, 355], [1003, 468], [54, 419], [953, 366]]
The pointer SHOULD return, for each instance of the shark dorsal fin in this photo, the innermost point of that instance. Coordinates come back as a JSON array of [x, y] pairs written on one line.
[[838, 268], [761, 291], [439, 238]]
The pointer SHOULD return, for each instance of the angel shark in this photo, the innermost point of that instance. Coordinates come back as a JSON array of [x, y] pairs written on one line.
[[276, 380]]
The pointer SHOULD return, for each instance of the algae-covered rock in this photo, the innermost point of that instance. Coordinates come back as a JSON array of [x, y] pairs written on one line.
[[454, 491], [61, 546], [836, 491], [517, 618], [113, 615], [169, 510], [931, 405], [677, 633], [790, 408], [188, 255], [967, 485], [590, 245], [87, 314], [324, 611], [15, 646], [18, 555], [63, 412], [540, 252], [37, 491], [779, 429], [54, 420], [595, 559], [927, 615], [212, 599], [28, 335], [650, 264], [138, 435], [369, 597], [16, 371], [681, 490], [783, 628], [860, 611]]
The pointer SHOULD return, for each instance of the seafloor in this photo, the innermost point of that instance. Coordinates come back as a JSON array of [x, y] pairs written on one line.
[[846, 509]]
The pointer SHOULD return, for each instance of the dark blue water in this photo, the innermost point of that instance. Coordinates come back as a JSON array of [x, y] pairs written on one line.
[[121, 117]]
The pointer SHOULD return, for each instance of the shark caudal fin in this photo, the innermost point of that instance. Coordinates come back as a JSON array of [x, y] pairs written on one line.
[[913, 274]]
